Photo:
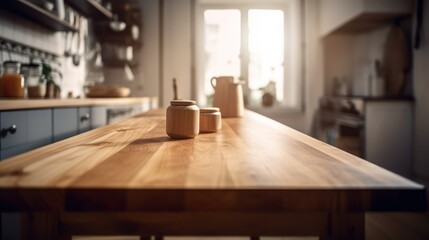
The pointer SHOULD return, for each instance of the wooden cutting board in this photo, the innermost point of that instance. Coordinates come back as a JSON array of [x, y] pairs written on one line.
[[396, 61]]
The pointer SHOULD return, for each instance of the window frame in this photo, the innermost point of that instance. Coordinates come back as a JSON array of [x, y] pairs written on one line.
[[287, 6]]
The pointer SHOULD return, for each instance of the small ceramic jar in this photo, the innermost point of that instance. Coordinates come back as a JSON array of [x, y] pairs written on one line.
[[210, 120], [183, 119]]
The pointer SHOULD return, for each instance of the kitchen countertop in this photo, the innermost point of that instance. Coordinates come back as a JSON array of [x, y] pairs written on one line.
[[15, 104], [252, 165], [371, 98]]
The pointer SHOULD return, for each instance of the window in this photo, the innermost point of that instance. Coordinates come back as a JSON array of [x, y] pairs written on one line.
[[258, 42]]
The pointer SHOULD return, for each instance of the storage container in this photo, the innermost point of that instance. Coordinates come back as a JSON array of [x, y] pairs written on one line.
[[183, 119], [210, 120]]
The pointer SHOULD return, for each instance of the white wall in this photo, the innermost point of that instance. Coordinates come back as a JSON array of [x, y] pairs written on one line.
[[351, 57], [176, 49], [313, 64], [421, 94], [149, 72]]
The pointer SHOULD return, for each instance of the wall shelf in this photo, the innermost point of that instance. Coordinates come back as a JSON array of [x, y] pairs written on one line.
[[33, 12], [91, 9]]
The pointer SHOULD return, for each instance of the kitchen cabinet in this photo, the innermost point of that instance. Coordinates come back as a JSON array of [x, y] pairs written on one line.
[[356, 16], [376, 129], [13, 129], [40, 127], [24, 130], [65, 123], [388, 132], [84, 117]]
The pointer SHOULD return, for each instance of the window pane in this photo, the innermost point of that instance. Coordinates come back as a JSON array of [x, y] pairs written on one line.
[[266, 51], [221, 45]]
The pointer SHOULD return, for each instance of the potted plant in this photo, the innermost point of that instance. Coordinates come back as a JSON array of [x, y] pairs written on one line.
[[50, 76]]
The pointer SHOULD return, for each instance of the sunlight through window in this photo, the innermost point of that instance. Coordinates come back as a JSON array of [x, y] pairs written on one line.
[[266, 49]]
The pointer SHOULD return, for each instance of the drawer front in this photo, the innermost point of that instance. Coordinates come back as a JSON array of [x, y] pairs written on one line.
[[84, 119], [40, 126], [65, 123], [13, 129], [98, 117]]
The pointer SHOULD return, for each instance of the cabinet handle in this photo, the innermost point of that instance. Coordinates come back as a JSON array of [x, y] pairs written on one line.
[[84, 117], [12, 130]]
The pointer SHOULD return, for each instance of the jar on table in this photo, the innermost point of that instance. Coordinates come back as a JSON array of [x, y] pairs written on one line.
[[32, 73], [12, 81], [183, 119], [210, 120]]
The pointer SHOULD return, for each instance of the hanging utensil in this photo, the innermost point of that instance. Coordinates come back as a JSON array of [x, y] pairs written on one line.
[[67, 45], [76, 56], [128, 73]]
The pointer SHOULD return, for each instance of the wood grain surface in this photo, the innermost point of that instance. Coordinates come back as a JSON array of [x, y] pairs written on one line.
[[14, 104], [252, 164]]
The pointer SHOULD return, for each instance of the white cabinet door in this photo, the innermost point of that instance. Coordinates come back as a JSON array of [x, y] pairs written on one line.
[[388, 133]]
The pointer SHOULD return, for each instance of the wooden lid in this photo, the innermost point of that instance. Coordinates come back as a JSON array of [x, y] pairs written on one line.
[[182, 102], [209, 110]]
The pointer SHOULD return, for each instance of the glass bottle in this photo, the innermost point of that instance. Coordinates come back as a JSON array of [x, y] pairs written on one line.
[[12, 80], [32, 74]]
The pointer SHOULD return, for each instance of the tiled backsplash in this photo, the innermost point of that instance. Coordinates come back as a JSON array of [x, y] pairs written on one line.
[[24, 31]]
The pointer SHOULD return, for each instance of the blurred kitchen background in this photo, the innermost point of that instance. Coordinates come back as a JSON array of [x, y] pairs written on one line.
[[353, 73]]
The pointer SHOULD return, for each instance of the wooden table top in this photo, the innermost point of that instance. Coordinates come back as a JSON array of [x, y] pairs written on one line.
[[252, 164], [25, 103]]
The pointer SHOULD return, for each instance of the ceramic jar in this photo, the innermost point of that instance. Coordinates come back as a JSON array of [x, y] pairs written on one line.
[[183, 119], [210, 120]]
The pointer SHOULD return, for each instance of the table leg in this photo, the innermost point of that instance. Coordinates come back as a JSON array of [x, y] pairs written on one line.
[[350, 226]]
